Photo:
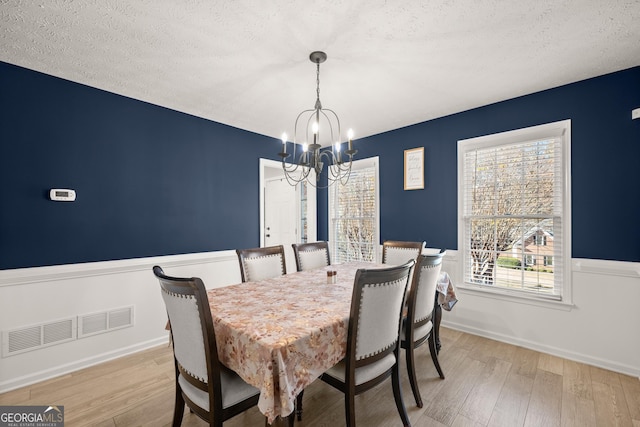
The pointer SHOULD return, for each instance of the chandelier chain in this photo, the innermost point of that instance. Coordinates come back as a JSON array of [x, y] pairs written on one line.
[[318, 81]]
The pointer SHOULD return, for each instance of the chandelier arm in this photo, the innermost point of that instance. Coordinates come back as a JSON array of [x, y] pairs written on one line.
[[307, 127], [324, 112], [344, 166], [346, 177], [341, 176], [290, 168], [338, 173], [328, 156], [293, 180], [295, 127]]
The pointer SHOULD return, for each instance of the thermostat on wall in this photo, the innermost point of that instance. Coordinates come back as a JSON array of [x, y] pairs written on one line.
[[62, 195]]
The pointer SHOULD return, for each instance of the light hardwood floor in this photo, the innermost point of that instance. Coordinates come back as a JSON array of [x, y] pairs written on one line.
[[487, 383]]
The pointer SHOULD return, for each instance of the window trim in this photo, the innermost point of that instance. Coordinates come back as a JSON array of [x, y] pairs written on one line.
[[557, 129], [368, 162]]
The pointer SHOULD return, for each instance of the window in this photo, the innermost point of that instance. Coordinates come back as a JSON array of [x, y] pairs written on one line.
[[354, 214], [539, 240], [514, 212]]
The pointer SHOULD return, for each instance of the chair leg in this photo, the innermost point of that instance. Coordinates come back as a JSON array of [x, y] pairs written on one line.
[[291, 419], [411, 370], [299, 405], [178, 407], [437, 318], [397, 394], [434, 355], [350, 408]]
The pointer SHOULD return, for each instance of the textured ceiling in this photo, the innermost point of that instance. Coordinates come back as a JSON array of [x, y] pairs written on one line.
[[391, 63]]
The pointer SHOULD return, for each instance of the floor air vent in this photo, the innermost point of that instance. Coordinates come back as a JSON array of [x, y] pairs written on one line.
[[106, 321], [29, 338]]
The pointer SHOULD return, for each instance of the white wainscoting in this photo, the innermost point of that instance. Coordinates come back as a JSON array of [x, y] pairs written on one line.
[[601, 329], [40, 295]]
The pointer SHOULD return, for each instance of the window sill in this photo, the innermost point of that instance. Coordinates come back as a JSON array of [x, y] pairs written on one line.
[[504, 295]]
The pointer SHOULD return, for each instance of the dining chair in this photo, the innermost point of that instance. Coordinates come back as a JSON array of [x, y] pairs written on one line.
[[210, 390], [261, 263], [418, 325], [311, 255], [372, 338], [395, 252]]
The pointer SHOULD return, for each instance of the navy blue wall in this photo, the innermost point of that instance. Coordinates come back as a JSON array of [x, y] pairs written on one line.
[[605, 166], [149, 180], [153, 181]]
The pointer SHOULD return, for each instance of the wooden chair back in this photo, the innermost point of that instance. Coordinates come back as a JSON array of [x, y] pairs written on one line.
[[395, 252], [261, 263], [311, 255]]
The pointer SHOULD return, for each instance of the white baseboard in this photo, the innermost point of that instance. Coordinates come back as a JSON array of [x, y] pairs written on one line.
[[537, 346]]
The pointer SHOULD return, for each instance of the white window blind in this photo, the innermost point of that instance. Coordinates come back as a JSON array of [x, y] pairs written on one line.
[[514, 196], [353, 214]]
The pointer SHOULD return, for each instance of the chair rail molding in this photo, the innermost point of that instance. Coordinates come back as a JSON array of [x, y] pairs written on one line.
[[606, 267], [22, 276]]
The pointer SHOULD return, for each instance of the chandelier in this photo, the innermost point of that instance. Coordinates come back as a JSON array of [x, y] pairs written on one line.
[[314, 129]]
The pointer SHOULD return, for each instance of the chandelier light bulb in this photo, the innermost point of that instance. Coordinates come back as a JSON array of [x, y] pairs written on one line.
[[314, 127], [284, 137], [350, 134], [338, 146], [305, 147]]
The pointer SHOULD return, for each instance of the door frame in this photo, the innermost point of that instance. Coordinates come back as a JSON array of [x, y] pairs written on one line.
[[268, 170]]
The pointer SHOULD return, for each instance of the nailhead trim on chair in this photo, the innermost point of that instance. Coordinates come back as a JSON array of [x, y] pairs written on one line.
[[248, 260]]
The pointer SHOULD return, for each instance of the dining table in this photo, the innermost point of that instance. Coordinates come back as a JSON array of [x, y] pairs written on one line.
[[280, 334]]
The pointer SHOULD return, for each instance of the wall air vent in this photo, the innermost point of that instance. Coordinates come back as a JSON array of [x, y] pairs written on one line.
[[121, 318], [106, 321], [91, 324], [34, 337], [20, 340]]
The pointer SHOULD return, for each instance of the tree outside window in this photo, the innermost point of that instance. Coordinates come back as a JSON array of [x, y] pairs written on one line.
[[512, 199], [353, 214]]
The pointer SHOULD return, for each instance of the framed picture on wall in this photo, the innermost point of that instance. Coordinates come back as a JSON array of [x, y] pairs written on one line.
[[414, 169]]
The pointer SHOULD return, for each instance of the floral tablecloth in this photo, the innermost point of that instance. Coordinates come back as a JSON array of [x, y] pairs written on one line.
[[281, 334], [446, 292]]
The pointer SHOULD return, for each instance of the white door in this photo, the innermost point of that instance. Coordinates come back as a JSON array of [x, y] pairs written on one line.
[[280, 213]]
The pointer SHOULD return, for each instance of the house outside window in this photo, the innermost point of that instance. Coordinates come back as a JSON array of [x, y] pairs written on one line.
[[354, 224], [514, 212]]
